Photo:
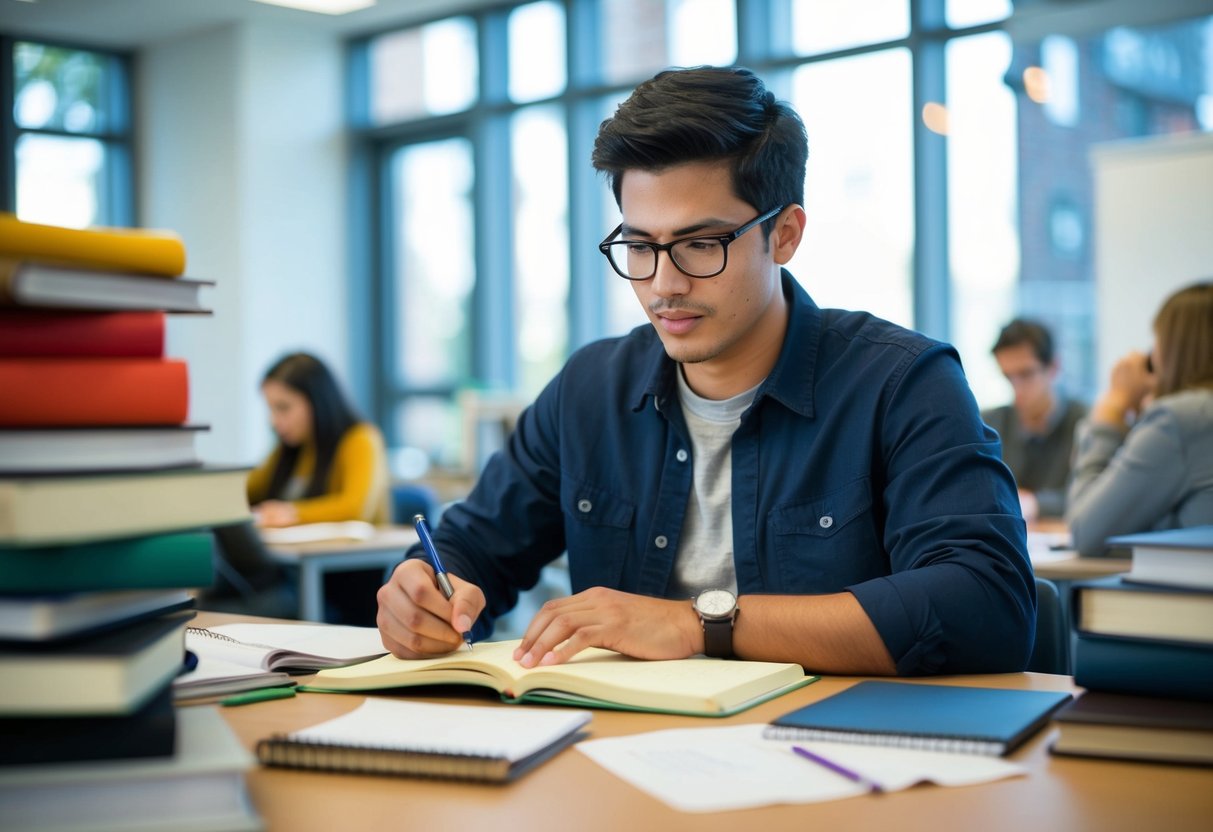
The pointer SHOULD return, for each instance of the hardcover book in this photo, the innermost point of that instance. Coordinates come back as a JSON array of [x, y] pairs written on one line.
[[64, 392], [1100, 724], [960, 720], [148, 251], [595, 678]]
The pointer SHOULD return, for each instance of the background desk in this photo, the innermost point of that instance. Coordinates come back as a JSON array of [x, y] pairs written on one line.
[[571, 792], [314, 560]]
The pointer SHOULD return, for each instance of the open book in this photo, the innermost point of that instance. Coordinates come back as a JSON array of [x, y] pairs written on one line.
[[286, 646], [594, 678], [384, 736]]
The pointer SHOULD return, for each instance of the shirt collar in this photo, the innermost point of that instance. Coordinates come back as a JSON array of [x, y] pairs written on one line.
[[790, 381]]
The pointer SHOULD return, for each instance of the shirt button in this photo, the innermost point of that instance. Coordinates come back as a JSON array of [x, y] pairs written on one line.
[[661, 541], [826, 521], [681, 456], [584, 506]]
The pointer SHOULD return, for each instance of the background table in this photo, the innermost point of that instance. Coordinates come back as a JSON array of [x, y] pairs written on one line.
[[314, 560]]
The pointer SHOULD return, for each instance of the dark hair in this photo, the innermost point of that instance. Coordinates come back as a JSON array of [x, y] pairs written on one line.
[[332, 416], [1026, 331], [709, 114], [1183, 330]]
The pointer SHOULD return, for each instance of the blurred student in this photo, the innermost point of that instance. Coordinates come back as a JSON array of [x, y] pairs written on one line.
[[1037, 428], [1145, 456], [328, 465]]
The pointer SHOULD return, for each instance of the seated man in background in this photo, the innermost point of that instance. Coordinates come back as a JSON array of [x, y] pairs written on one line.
[[1037, 429], [747, 474]]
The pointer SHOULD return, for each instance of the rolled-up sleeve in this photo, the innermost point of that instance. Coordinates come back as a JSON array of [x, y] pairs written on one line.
[[961, 597]]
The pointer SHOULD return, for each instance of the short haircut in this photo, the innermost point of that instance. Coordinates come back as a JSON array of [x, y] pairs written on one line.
[[1026, 331], [708, 114], [1183, 331]]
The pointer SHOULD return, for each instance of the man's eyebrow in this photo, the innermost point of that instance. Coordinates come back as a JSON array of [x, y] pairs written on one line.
[[710, 222]]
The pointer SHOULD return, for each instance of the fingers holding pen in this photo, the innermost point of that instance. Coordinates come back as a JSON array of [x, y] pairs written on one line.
[[415, 619]]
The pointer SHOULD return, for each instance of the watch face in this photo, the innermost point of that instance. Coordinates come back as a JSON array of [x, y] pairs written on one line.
[[715, 603]]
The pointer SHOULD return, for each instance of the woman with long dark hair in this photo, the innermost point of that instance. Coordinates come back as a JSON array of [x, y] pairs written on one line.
[[328, 465], [1145, 456]]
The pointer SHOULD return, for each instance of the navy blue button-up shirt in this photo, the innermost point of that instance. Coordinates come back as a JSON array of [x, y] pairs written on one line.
[[862, 465]]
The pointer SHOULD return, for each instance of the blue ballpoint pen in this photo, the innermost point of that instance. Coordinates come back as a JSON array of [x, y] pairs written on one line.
[[444, 583]]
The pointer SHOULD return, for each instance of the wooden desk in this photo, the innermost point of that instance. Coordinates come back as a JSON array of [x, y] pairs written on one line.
[[571, 792], [314, 560]]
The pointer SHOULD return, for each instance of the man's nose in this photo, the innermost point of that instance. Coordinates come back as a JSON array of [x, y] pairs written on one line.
[[669, 280]]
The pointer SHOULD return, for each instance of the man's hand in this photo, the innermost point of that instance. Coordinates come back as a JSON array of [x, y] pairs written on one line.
[[635, 625], [416, 621]]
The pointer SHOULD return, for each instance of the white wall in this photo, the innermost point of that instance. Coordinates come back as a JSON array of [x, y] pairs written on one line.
[[242, 152], [1153, 233]]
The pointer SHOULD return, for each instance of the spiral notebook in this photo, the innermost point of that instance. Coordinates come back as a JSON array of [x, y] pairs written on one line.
[[461, 742], [960, 720]]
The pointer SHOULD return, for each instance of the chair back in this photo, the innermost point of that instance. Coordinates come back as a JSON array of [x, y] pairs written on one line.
[[1051, 653]]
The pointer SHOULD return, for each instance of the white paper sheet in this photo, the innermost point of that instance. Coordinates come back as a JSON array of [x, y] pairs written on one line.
[[717, 769]]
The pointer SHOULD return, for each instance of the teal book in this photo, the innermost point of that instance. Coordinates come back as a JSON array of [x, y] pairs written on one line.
[[167, 561], [928, 717]]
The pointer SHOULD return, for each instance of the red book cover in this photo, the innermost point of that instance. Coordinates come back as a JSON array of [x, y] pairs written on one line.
[[50, 334], [61, 392]]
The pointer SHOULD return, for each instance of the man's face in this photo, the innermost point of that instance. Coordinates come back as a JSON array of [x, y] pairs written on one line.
[[725, 326], [1031, 380]]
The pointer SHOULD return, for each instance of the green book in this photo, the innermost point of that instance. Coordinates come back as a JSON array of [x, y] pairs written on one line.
[[167, 561], [595, 678]]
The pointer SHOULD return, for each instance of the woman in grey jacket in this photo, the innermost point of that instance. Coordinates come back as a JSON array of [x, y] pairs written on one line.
[[1145, 455]]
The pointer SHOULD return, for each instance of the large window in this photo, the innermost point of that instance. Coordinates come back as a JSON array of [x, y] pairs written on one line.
[[67, 135], [948, 187]]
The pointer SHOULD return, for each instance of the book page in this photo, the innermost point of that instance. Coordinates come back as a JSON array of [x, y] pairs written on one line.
[[508, 733], [266, 645]]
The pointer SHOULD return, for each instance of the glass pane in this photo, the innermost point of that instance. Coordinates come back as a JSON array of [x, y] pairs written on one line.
[[427, 70], [825, 25], [62, 181], [537, 73], [433, 425], [961, 13], [983, 232], [640, 37], [858, 246], [434, 272], [1134, 82], [541, 244], [66, 89]]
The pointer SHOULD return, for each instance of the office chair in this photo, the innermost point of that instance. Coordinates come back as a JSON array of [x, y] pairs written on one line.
[[1051, 653]]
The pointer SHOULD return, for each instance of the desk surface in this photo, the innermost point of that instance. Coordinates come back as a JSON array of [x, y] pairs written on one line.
[[386, 539], [572, 792]]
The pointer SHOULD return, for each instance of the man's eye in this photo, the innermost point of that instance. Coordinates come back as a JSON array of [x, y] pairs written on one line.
[[702, 245], [638, 248]]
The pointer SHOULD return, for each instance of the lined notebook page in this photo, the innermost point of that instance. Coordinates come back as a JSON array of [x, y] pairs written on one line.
[[505, 733]]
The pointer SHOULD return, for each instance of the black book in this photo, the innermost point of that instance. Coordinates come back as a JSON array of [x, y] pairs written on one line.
[[1099, 724], [148, 732]]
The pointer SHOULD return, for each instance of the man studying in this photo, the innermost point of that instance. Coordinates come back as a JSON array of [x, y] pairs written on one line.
[[747, 475]]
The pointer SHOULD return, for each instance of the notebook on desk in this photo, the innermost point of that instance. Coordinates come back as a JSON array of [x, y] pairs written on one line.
[[962, 720]]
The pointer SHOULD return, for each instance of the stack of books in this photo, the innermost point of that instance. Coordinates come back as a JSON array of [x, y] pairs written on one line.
[[1144, 652], [105, 516]]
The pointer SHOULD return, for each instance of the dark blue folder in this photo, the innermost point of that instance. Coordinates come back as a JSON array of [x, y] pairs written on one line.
[[992, 721]]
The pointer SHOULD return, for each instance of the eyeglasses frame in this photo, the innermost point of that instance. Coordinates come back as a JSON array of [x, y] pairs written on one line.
[[723, 239]]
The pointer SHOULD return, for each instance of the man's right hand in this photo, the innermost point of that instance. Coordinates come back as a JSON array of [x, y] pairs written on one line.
[[416, 621]]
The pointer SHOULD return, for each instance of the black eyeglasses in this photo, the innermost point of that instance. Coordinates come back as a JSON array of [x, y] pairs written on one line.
[[705, 256]]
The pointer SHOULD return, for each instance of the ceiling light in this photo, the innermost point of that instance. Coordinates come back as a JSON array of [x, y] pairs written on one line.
[[322, 6]]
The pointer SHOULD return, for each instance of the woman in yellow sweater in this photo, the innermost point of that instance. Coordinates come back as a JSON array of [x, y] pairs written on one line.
[[328, 465]]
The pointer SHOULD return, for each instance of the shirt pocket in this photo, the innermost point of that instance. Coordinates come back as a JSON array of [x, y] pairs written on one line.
[[827, 542], [598, 528]]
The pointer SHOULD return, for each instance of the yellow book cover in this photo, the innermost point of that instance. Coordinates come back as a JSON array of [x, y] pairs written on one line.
[[138, 250], [595, 678]]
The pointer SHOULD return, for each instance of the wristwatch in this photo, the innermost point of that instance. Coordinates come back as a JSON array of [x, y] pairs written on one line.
[[717, 609]]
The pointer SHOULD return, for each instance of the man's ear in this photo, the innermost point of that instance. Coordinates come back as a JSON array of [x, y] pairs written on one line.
[[787, 234]]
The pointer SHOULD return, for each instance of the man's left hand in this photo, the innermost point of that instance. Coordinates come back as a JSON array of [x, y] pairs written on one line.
[[635, 625]]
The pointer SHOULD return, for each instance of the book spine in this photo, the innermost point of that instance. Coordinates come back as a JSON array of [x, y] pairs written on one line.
[[947, 744], [50, 392], [166, 561], [62, 334], [137, 250], [285, 752], [1144, 667]]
